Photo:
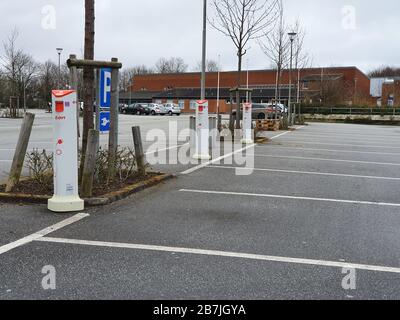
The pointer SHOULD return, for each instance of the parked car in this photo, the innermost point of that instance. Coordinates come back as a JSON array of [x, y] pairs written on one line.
[[157, 109], [137, 108], [172, 109], [122, 107], [263, 111]]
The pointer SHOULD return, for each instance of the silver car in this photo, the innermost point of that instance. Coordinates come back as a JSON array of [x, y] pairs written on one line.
[[172, 109], [157, 109]]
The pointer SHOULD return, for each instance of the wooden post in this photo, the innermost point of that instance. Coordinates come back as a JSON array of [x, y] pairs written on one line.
[[237, 127], [231, 119], [193, 135], [90, 163], [113, 137], [73, 82], [140, 159], [20, 151]]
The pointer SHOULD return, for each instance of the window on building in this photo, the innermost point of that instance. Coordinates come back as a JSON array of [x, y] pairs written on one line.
[[306, 85], [193, 104], [181, 104]]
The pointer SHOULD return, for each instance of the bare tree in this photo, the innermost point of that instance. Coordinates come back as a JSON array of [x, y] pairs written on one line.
[[128, 75], [18, 69], [275, 46], [211, 66], [47, 79], [88, 75], [243, 21], [302, 59], [385, 71], [171, 65]]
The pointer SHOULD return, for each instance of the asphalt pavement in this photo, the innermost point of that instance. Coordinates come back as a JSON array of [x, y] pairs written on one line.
[[321, 203]]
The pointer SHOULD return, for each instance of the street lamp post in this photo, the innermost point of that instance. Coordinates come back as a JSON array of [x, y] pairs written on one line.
[[247, 82], [59, 51], [292, 36], [218, 93], [203, 62]]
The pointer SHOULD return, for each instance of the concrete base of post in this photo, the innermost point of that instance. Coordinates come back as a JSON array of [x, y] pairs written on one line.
[[247, 141], [201, 156], [66, 204]]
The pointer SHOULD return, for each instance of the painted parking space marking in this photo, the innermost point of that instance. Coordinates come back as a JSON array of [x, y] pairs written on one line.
[[227, 254], [166, 149], [206, 164], [330, 150], [331, 160], [42, 233], [308, 173], [350, 138], [343, 144], [275, 196]]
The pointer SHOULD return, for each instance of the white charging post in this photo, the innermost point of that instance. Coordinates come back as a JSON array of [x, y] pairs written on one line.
[[202, 131], [65, 139], [247, 123]]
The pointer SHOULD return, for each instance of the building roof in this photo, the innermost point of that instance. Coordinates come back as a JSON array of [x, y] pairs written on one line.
[[211, 93], [323, 77]]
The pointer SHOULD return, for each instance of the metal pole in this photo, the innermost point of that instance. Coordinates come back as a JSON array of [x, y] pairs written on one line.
[[290, 83], [247, 93], [203, 63], [59, 70], [24, 95], [218, 94]]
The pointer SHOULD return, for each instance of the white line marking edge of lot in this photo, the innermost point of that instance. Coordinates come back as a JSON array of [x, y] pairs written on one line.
[[307, 172], [42, 233], [323, 159], [259, 257], [258, 195]]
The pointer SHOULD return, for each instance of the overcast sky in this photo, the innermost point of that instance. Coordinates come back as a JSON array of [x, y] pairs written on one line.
[[339, 32]]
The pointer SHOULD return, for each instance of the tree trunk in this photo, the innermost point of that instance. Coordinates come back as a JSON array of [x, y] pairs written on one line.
[[239, 75], [88, 76]]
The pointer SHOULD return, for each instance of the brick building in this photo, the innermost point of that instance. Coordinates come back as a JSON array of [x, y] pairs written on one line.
[[391, 92], [341, 85]]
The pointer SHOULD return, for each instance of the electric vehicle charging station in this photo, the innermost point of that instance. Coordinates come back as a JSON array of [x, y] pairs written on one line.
[[65, 141], [202, 131], [247, 123]]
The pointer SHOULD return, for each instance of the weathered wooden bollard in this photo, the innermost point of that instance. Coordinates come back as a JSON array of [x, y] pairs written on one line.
[[90, 164], [140, 158], [20, 151]]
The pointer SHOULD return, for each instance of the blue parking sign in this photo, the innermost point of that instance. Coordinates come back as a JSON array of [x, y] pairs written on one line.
[[104, 121], [105, 88]]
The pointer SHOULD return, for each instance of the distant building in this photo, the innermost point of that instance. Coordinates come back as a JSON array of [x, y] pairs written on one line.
[[334, 86], [391, 92]]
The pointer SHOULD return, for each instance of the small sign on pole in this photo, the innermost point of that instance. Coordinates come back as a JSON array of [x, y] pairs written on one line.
[[247, 123], [66, 196], [105, 88], [104, 121], [202, 131]]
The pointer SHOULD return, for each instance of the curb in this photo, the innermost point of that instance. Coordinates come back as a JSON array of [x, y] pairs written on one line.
[[92, 202]]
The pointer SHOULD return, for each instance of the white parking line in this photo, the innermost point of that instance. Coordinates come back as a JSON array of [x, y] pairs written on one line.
[[308, 172], [203, 165], [227, 254], [42, 233], [257, 195], [331, 150], [332, 160], [166, 149], [206, 164], [351, 138], [342, 144]]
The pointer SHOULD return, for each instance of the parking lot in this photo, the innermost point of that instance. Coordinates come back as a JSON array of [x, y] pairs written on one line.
[[322, 200]]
